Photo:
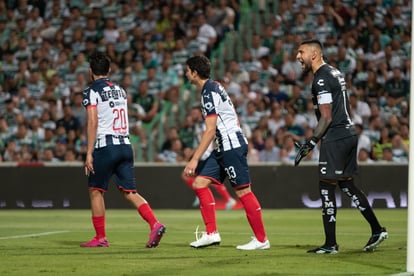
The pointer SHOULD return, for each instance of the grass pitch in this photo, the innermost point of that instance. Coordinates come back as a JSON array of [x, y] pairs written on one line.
[[46, 242]]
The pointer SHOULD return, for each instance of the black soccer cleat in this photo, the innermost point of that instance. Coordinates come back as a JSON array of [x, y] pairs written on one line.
[[325, 249], [375, 240]]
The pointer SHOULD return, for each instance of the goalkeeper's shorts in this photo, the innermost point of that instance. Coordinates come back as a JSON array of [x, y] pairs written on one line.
[[338, 159]]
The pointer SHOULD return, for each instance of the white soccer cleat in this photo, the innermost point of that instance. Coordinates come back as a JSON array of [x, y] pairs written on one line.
[[254, 244], [206, 240]]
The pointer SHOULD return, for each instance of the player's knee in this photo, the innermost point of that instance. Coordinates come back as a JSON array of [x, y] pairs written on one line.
[[128, 194], [330, 182], [346, 183], [243, 191], [201, 182]]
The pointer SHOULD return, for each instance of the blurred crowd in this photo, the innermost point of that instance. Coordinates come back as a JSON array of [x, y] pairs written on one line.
[[44, 68], [44, 65]]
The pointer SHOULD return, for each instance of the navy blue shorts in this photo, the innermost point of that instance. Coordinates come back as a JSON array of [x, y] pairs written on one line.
[[338, 159], [231, 164], [116, 161]]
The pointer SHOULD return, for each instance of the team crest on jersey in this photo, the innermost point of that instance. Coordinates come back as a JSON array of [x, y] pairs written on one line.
[[320, 82]]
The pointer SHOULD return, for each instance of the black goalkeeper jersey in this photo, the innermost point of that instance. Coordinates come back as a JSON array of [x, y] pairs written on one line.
[[329, 87]]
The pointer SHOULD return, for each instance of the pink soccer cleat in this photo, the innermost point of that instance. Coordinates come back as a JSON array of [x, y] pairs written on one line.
[[95, 242], [156, 234]]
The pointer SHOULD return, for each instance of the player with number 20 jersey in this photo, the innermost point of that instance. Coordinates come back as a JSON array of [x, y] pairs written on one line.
[[109, 152]]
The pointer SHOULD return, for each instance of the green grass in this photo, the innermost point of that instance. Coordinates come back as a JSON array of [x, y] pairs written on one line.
[[291, 233]]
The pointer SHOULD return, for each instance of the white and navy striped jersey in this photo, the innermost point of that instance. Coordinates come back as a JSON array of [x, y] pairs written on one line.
[[216, 102], [111, 103]]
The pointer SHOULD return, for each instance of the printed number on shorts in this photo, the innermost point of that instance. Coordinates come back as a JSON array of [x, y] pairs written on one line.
[[231, 172]]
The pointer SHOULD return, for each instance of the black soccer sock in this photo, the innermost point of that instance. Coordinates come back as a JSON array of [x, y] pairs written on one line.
[[327, 192], [361, 202]]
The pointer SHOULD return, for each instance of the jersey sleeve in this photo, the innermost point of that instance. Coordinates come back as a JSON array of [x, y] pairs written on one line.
[[323, 89], [209, 107], [89, 98]]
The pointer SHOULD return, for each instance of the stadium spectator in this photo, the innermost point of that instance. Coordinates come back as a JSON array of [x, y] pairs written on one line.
[[148, 102], [297, 101], [48, 155], [405, 133], [397, 87], [373, 129], [386, 155], [257, 48], [234, 88], [368, 88], [110, 31], [187, 131], [60, 149], [78, 110], [288, 150], [383, 142], [47, 120], [70, 156], [363, 139], [270, 152], [69, 121], [207, 34], [389, 109], [290, 68], [11, 151], [266, 70], [36, 132], [295, 129], [10, 112], [174, 154], [170, 79], [251, 116], [361, 108], [20, 78], [364, 156], [276, 92], [400, 150], [170, 136], [276, 119]]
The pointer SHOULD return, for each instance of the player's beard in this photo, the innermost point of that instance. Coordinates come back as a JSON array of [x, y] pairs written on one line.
[[306, 67]]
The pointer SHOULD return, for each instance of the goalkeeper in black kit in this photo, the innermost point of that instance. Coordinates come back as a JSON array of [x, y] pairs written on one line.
[[338, 146]]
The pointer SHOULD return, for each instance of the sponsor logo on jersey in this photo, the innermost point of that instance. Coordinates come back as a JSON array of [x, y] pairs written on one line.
[[320, 82], [209, 106]]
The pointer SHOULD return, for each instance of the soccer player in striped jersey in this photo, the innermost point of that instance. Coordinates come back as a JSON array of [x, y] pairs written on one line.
[[228, 159], [199, 126], [109, 151]]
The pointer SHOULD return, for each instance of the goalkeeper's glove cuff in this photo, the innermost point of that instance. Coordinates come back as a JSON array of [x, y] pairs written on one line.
[[313, 141]]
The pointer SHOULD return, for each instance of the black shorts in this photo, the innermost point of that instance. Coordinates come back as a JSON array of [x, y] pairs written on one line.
[[338, 159]]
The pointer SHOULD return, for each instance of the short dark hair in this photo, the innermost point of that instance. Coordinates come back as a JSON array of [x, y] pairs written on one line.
[[314, 42], [200, 64], [99, 63]]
